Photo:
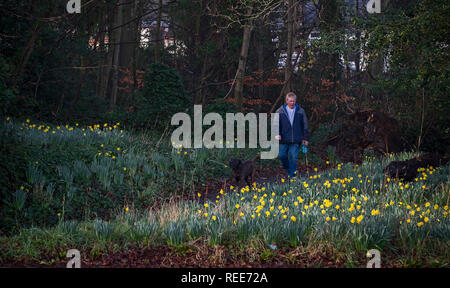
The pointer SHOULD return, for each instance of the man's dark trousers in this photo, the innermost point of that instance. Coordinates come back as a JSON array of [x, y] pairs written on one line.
[[288, 155]]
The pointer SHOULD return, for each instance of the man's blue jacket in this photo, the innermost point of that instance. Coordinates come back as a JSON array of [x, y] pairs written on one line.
[[295, 133]]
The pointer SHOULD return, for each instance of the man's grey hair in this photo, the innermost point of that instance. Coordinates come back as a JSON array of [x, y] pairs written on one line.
[[290, 95]]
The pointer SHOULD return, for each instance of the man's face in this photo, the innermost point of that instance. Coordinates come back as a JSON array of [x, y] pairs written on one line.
[[290, 102]]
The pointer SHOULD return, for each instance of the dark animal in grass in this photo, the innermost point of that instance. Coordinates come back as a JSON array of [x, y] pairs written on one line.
[[243, 170], [407, 170]]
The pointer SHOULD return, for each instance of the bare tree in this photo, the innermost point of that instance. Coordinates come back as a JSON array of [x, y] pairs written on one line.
[[238, 90], [118, 35], [158, 33], [290, 44]]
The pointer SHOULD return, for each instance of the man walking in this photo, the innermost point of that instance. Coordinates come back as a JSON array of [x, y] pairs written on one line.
[[293, 131]]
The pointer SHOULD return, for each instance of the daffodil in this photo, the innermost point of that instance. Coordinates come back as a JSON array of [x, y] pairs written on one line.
[[359, 219]]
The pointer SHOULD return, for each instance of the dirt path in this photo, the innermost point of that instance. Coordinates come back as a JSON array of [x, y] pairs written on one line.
[[262, 176], [201, 256], [205, 256]]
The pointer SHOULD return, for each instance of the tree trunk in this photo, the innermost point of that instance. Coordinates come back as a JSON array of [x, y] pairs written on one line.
[[290, 41], [197, 25], [238, 90], [200, 65], [358, 39], [137, 36], [102, 62], [29, 49], [128, 39], [158, 33], [116, 59], [77, 94], [199, 97], [109, 57], [260, 59]]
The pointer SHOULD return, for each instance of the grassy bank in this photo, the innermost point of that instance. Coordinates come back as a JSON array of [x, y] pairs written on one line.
[[51, 172], [337, 213], [100, 186]]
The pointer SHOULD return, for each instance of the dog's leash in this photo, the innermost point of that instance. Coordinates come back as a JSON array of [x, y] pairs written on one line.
[[305, 151]]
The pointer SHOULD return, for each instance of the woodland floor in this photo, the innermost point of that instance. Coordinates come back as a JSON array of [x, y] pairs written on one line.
[[204, 256], [196, 255]]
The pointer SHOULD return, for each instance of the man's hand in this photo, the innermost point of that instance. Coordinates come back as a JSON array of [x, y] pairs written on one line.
[[278, 137], [305, 142]]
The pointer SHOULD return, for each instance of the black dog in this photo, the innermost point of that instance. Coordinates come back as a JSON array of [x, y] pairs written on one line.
[[243, 170], [407, 170]]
